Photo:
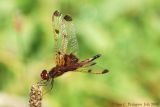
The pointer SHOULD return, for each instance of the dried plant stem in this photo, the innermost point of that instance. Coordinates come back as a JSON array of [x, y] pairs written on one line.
[[35, 96]]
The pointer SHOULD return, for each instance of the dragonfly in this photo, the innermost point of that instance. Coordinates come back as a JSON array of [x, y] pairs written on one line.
[[66, 47]]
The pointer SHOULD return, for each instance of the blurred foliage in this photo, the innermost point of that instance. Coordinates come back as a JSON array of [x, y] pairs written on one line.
[[125, 32], [5, 78], [37, 42], [27, 6]]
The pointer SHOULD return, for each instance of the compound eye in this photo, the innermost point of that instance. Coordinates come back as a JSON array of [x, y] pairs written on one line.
[[44, 75]]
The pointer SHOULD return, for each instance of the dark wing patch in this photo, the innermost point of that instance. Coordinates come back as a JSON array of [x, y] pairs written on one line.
[[68, 18], [56, 31], [105, 71], [56, 13]]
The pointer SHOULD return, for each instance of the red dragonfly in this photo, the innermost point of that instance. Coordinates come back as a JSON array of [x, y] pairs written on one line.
[[66, 47]]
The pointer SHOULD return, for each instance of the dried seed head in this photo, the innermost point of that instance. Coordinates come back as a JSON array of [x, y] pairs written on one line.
[[35, 96]]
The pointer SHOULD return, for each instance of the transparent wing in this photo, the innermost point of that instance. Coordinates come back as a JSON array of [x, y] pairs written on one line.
[[59, 37], [64, 37], [92, 68], [72, 46]]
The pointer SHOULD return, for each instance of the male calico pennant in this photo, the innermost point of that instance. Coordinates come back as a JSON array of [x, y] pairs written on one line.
[[66, 47]]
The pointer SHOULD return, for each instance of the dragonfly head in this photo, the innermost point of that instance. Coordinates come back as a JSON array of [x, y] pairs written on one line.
[[44, 75]]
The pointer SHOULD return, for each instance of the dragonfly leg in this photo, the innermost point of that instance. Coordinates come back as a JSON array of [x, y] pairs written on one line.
[[42, 83], [47, 91], [52, 82]]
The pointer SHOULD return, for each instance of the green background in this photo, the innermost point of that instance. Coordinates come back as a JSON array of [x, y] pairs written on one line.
[[125, 32]]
